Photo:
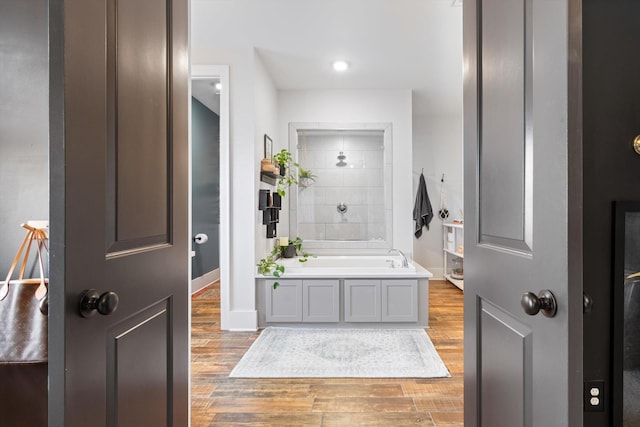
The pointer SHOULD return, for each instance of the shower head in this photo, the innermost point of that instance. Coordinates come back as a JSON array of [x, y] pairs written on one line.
[[341, 158]]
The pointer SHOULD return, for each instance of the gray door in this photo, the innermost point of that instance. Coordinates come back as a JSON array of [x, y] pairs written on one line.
[[522, 222], [118, 114]]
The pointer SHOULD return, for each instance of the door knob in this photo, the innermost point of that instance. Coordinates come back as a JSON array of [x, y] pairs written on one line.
[[545, 302], [92, 301]]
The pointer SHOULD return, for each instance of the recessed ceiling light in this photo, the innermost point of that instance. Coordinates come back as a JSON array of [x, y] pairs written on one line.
[[340, 65]]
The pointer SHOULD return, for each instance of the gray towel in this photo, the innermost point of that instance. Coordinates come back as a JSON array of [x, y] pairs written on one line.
[[422, 212]]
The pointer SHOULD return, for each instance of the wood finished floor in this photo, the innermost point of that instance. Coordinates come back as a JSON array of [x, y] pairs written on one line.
[[217, 400]]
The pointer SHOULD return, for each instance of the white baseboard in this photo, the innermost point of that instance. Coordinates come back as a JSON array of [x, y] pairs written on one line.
[[438, 273], [243, 320], [205, 280]]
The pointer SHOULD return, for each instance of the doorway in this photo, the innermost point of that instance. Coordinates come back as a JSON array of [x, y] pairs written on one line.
[[205, 182], [204, 78]]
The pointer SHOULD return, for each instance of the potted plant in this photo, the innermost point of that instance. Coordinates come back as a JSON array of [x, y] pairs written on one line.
[[284, 159], [305, 177], [268, 266]]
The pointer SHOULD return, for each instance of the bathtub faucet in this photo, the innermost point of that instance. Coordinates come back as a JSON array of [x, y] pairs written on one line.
[[405, 263]]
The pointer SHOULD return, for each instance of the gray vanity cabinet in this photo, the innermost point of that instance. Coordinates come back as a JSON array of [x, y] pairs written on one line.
[[399, 300], [284, 304], [320, 301], [372, 300], [362, 300], [312, 301]]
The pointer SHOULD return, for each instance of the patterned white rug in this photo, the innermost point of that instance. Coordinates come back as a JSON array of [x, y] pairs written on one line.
[[334, 353]]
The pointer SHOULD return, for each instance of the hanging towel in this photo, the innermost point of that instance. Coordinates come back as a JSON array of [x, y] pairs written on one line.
[[422, 212]]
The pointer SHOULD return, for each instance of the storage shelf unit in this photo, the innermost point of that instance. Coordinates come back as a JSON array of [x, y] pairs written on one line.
[[452, 247]]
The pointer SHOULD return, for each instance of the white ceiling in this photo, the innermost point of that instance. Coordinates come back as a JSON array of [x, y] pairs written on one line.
[[390, 44]]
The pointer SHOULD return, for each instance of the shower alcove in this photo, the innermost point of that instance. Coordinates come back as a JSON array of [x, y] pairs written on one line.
[[349, 206]]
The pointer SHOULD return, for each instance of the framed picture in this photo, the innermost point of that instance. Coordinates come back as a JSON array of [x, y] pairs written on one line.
[[268, 147]]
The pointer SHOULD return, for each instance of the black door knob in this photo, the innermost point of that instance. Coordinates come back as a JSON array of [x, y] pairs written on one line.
[[92, 301], [545, 302]]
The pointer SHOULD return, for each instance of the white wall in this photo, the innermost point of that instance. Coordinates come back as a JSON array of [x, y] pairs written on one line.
[[437, 147], [243, 178], [266, 122], [364, 106]]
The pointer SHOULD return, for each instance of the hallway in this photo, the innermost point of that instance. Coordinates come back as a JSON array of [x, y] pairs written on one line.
[[222, 401]]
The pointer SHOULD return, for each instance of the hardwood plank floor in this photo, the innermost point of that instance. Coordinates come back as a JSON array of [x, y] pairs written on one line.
[[221, 401]]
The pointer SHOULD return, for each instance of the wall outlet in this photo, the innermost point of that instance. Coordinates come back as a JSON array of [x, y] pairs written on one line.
[[594, 396]]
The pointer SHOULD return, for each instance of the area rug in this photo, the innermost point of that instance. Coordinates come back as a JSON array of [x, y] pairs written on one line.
[[335, 353]]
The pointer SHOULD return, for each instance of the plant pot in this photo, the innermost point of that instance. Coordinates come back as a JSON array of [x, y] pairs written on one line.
[[306, 182], [289, 251], [283, 170]]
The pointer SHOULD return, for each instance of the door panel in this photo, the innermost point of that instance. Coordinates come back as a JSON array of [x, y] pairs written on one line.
[[521, 370], [138, 354], [504, 78], [119, 188], [505, 373], [139, 110]]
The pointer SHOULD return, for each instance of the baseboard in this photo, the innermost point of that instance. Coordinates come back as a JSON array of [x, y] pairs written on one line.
[[438, 273], [243, 320], [205, 280]]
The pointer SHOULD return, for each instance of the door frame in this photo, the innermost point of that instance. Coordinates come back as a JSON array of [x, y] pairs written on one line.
[[220, 72]]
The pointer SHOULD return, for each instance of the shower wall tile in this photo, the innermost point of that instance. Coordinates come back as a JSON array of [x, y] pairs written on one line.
[[356, 177], [376, 231], [330, 178], [311, 231], [343, 232], [363, 142], [360, 184], [375, 177], [312, 195], [376, 215], [375, 196], [373, 158]]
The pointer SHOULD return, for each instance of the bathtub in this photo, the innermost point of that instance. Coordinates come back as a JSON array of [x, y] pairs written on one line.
[[352, 266], [345, 291]]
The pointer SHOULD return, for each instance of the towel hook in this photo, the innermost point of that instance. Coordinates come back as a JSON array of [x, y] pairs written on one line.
[[442, 179]]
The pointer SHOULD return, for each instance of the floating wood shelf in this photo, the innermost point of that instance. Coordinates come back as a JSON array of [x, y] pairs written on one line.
[[269, 177]]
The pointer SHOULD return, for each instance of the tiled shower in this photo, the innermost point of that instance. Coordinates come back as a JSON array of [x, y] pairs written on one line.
[[347, 200]]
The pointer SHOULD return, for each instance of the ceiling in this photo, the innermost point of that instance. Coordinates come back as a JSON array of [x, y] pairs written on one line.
[[390, 44]]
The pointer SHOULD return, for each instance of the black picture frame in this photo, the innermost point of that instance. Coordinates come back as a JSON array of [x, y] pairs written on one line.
[[268, 147]]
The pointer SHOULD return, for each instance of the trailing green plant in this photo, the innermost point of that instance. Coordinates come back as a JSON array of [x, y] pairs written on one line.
[[269, 266], [284, 159], [284, 183]]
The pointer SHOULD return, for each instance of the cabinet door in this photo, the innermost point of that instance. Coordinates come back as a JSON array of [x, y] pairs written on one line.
[[362, 300], [320, 301], [284, 304], [399, 300]]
